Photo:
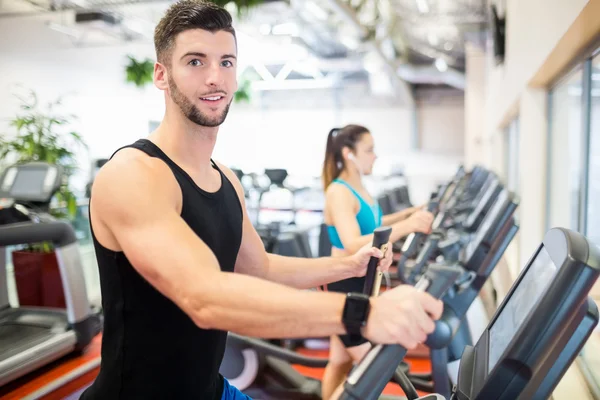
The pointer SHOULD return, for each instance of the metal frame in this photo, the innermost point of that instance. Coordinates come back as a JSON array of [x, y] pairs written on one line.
[[549, 111], [511, 133], [586, 110], [506, 136], [514, 131]]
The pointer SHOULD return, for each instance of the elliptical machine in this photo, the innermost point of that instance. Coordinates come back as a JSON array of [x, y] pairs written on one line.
[[263, 370], [35, 336]]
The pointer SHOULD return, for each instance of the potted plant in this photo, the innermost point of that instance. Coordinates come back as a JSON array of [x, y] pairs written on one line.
[[42, 135], [139, 72]]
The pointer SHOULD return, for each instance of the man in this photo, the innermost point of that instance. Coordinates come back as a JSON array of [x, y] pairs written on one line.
[[180, 263]]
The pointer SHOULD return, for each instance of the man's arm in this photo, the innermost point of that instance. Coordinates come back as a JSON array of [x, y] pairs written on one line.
[[167, 253], [306, 273]]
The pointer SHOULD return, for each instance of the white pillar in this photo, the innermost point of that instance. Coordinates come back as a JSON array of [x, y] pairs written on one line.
[[532, 170], [475, 106]]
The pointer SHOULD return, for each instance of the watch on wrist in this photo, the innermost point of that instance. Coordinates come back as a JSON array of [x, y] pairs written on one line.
[[356, 312]]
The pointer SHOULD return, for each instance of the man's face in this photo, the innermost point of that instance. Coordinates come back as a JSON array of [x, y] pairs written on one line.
[[202, 76]]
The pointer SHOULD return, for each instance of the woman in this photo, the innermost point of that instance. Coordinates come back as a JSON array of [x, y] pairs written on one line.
[[351, 216]]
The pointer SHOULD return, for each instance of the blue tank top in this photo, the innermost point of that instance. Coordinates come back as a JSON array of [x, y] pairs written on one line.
[[368, 217]]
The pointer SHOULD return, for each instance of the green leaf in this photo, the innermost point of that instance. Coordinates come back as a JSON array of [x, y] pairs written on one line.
[[140, 73], [44, 135]]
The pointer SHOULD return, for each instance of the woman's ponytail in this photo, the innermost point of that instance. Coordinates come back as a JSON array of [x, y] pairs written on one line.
[[331, 169], [337, 139]]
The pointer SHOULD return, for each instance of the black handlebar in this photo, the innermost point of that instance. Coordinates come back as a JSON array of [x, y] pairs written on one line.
[[272, 350], [412, 243], [371, 375], [381, 236]]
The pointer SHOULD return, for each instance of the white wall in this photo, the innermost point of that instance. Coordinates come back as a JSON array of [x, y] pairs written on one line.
[[266, 134], [441, 122], [475, 92], [533, 28]]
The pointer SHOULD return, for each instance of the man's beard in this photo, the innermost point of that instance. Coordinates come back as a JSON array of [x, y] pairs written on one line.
[[192, 112]]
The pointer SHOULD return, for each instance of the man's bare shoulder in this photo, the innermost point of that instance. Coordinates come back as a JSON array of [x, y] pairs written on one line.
[[132, 175]]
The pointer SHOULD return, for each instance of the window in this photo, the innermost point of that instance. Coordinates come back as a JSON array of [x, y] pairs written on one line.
[[593, 200], [564, 152], [574, 173]]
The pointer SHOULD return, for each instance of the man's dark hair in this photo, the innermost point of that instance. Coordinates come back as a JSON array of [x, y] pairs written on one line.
[[184, 15]]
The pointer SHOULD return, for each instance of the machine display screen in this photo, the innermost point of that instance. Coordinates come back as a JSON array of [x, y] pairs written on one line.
[[525, 296], [28, 183], [485, 226]]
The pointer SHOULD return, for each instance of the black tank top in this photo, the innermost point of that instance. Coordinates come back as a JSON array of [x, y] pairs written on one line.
[[150, 348]]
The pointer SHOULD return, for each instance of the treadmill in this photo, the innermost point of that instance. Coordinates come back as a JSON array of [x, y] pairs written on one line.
[[533, 338], [31, 337]]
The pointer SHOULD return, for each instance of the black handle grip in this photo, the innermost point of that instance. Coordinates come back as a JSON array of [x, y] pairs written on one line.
[[401, 268], [432, 206], [381, 236], [411, 245], [372, 374]]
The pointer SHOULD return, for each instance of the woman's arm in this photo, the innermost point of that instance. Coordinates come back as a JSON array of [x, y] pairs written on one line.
[[399, 216], [342, 205]]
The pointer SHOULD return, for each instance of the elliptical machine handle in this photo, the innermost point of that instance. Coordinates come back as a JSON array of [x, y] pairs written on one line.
[[424, 255], [411, 245], [368, 379], [381, 236]]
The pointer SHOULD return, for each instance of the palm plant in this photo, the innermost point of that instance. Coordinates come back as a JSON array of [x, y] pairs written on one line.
[[43, 135]]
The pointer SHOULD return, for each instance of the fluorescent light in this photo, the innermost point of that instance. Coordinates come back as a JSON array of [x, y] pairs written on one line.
[[288, 28], [136, 26], [432, 38], [441, 65], [315, 10], [423, 6], [64, 29], [265, 29], [350, 42], [293, 84]]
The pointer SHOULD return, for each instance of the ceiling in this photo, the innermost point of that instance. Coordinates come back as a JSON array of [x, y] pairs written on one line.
[[297, 44]]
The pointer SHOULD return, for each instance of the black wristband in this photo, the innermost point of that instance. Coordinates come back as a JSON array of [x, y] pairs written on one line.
[[356, 312]]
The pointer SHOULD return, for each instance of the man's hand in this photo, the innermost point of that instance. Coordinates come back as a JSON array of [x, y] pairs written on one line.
[[402, 316], [360, 260], [420, 221]]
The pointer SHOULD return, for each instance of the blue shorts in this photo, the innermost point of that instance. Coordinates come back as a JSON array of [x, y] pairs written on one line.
[[232, 393]]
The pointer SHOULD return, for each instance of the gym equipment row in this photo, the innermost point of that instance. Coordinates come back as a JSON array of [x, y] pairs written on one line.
[[534, 335], [265, 371], [531, 340]]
